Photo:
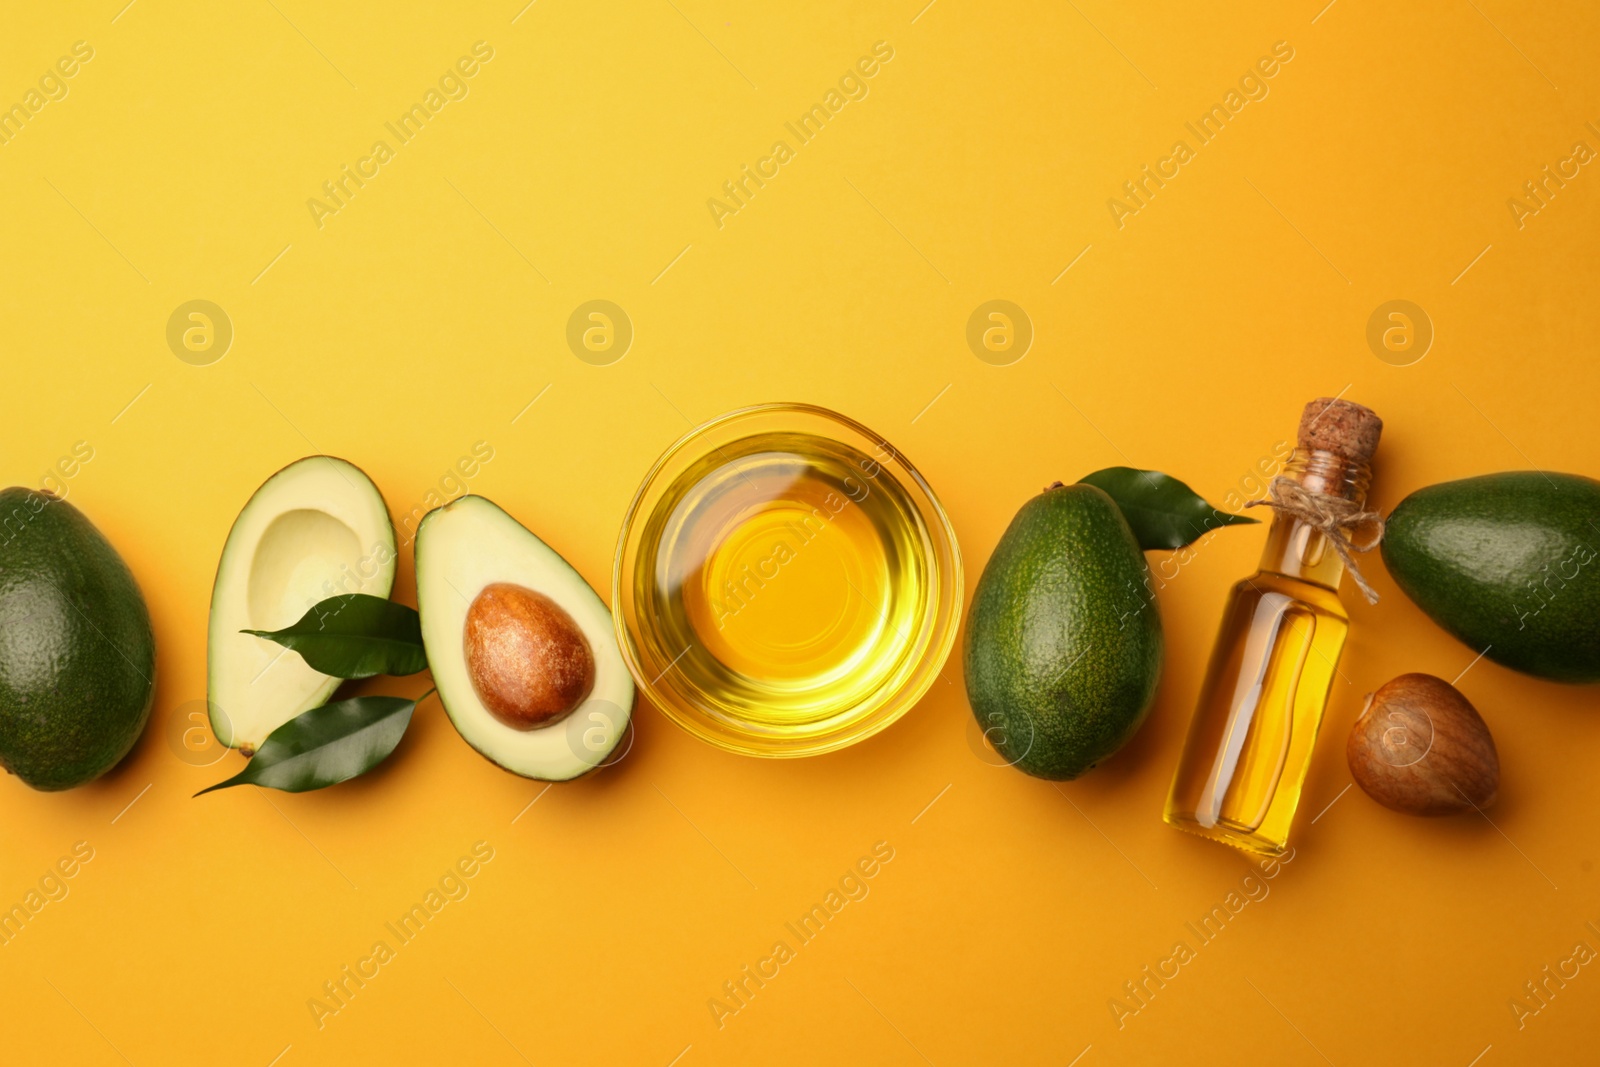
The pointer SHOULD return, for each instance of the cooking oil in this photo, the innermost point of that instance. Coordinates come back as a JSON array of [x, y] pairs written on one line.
[[784, 579], [1277, 656]]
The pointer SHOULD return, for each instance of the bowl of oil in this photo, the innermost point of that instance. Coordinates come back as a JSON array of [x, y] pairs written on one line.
[[786, 582]]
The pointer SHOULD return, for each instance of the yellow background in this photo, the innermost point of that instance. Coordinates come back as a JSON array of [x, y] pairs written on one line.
[[429, 312]]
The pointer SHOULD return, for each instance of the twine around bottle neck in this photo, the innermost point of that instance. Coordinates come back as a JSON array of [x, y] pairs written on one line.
[[1339, 519]]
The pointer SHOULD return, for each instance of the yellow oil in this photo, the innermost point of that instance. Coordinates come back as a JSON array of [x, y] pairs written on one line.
[[1255, 725], [785, 581]]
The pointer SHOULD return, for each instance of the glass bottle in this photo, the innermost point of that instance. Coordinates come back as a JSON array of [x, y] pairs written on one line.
[[1277, 654]]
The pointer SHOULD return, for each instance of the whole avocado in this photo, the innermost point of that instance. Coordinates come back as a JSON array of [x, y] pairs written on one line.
[[77, 656], [1507, 562], [1063, 646]]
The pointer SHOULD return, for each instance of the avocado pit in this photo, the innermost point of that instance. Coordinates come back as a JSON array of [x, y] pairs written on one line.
[[529, 662]]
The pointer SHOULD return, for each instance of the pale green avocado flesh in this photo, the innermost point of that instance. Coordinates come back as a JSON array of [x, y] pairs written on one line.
[[316, 529], [465, 547]]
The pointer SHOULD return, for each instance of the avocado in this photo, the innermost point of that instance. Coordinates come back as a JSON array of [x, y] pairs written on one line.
[[1063, 647], [1507, 562], [523, 651], [77, 657], [316, 529]]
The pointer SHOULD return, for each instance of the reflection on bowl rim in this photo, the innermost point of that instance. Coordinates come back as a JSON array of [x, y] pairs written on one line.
[[947, 606]]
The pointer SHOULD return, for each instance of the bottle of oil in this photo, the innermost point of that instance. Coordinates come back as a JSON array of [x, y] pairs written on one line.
[[1277, 654]]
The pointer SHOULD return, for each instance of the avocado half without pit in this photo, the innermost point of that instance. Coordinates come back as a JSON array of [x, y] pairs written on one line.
[[522, 650], [316, 529]]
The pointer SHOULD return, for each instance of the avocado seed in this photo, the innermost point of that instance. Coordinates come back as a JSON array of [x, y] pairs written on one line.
[[529, 662], [1421, 748]]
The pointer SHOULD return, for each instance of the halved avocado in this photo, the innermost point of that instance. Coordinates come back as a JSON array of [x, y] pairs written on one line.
[[521, 648], [317, 528]]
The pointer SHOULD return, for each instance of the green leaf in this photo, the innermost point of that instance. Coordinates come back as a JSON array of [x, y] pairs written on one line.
[[355, 636], [327, 745], [1163, 512]]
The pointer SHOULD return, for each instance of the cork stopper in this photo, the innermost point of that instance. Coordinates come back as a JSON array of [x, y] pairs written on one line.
[[1331, 425]]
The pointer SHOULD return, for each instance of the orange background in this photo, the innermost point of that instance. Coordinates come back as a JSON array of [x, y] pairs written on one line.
[[427, 313]]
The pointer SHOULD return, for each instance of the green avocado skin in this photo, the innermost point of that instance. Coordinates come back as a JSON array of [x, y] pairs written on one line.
[[77, 656], [1509, 562], [1063, 646]]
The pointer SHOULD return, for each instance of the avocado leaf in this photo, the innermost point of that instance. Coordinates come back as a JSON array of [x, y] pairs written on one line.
[[354, 635], [327, 745], [1162, 511]]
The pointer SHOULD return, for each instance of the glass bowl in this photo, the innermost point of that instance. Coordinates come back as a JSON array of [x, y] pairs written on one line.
[[786, 583]]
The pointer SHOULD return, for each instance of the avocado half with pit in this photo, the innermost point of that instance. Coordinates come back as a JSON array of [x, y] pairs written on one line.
[[522, 649], [316, 529]]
